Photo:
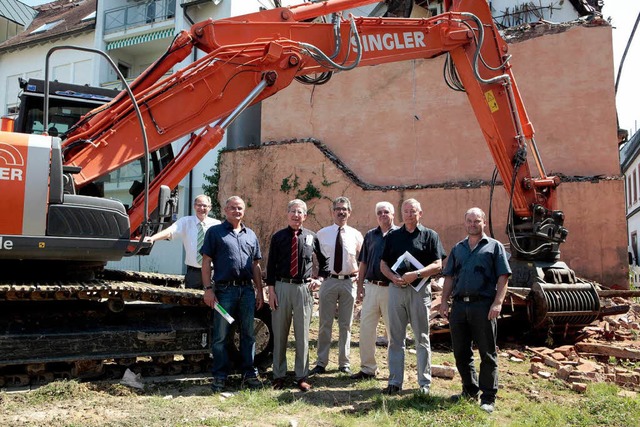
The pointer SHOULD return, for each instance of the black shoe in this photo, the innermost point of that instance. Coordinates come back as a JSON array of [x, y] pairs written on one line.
[[252, 383], [218, 385], [362, 376], [391, 390], [278, 384], [465, 396], [317, 370], [345, 370]]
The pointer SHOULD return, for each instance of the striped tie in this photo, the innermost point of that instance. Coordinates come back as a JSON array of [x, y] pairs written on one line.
[[200, 242], [293, 267]]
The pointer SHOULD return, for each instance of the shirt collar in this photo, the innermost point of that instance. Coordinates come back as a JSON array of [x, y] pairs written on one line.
[[483, 239], [298, 231], [229, 227]]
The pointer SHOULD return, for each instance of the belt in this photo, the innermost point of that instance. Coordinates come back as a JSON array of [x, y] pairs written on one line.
[[293, 281], [377, 282], [343, 276], [193, 268], [234, 282], [470, 298]]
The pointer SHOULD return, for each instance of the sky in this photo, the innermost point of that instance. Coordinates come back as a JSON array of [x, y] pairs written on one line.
[[623, 14]]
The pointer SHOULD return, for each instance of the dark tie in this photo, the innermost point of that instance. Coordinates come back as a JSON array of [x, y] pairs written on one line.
[[293, 267], [337, 259]]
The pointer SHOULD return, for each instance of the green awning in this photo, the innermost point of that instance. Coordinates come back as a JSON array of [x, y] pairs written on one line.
[[142, 38]]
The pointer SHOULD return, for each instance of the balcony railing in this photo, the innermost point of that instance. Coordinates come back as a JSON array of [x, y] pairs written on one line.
[[137, 15]]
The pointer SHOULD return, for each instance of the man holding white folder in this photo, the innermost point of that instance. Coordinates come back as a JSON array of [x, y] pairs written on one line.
[[416, 253]]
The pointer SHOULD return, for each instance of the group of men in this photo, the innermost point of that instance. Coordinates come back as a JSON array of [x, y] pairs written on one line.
[[387, 270]]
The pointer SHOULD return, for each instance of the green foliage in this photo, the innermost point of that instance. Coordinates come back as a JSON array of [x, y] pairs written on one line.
[[325, 182], [309, 192], [213, 187], [288, 185]]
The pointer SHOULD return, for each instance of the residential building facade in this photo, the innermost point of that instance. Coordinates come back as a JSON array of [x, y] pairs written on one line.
[[630, 164]]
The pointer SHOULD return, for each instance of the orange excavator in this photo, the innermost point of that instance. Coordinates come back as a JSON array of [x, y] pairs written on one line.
[[53, 225]]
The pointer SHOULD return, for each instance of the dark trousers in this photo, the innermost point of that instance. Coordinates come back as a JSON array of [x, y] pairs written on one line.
[[193, 278], [469, 324]]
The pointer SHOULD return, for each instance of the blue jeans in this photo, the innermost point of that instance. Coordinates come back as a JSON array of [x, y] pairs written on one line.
[[240, 303]]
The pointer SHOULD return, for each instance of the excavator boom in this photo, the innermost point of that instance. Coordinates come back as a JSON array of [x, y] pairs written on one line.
[[249, 58]]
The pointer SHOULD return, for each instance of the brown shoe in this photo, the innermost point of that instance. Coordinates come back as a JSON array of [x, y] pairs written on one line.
[[303, 385]]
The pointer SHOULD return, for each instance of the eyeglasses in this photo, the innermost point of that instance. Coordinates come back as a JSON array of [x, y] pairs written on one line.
[[340, 209], [383, 213], [200, 205]]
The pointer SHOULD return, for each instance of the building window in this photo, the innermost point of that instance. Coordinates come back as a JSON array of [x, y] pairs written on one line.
[[125, 69], [634, 248], [46, 27], [635, 187], [629, 191]]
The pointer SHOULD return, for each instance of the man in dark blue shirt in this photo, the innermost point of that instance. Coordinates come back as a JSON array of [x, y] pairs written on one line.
[[234, 251], [476, 278], [373, 290]]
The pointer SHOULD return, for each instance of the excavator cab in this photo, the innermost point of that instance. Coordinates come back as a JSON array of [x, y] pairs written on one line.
[[49, 219]]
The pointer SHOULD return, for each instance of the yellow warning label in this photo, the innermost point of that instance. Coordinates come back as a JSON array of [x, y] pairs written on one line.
[[491, 100], [41, 245]]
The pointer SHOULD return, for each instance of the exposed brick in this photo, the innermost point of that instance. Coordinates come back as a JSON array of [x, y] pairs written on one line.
[[579, 387], [564, 372], [440, 371]]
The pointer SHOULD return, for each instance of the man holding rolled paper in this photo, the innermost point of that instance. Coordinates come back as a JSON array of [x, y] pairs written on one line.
[[234, 252]]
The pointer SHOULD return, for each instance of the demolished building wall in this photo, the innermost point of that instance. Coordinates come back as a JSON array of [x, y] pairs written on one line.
[[399, 125]]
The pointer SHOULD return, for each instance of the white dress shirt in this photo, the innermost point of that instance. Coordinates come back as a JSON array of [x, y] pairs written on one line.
[[186, 228], [351, 243]]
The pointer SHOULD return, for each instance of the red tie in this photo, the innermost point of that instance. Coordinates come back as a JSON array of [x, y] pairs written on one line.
[[337, 259], [293, 268]]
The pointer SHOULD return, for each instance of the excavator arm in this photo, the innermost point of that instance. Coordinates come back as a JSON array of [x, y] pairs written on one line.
[[249, 58]]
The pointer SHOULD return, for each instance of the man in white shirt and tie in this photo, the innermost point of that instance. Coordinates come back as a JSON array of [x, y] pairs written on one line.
[[340, 244], [191, 229]]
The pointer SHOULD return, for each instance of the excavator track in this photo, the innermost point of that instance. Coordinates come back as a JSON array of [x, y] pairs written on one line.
[[97, 328]]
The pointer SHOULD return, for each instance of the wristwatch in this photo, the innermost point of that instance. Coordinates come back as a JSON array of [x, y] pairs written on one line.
[[419, 273], [206, 288]]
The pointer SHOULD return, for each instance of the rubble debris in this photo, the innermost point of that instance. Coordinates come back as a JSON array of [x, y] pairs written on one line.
[[443, 371], [605, 343]]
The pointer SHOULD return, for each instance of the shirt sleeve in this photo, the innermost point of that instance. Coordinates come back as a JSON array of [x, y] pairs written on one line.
[[209, 245], [448, 269], [501, 260], [271, 262], [323, 262], [258, 254]]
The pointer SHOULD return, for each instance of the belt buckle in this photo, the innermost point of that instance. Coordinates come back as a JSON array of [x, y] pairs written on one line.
[[466, 299]]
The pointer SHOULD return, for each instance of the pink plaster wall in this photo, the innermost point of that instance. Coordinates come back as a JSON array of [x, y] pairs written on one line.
[[594, 211], [398, 124], [370, 115]]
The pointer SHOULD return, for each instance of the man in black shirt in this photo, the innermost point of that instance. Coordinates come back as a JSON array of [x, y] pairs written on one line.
[[406, 304], [289, 271]]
